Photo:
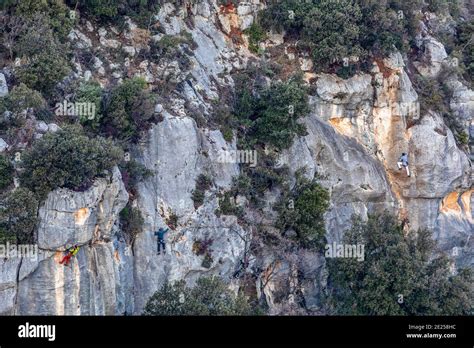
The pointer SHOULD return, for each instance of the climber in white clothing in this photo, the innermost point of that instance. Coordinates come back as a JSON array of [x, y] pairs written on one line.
[[403, 161]]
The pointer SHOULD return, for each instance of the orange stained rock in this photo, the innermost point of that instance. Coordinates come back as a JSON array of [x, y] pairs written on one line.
[[341, 125], [58, 255], [457, 202], [229, 8], [236, 35], [386, 72], [450, 203]]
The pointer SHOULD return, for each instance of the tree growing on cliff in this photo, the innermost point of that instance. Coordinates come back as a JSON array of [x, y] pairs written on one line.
[[335, 31], [114, 10], [270, 114], [6, 172], [67, 158], [18, 211], [302, 210], [128, 110], [398, 275], [210, 296], [45, 60]]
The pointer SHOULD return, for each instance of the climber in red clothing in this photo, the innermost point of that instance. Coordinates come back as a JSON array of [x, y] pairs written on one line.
[[71, 252]]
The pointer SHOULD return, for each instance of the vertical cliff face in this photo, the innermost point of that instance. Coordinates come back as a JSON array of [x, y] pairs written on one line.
[[357, 129], [95, 282], [382, 112]]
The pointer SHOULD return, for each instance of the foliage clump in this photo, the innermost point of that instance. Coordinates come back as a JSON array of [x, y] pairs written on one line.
[[210, 296], [67, 158], [398, 275]]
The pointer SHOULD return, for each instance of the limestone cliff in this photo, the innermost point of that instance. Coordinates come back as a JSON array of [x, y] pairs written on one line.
[[357, 129]]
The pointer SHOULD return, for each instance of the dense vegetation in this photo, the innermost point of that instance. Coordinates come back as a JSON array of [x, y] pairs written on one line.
[[132, 173], [203, 183], [269, 114], [67, 158], [210, 296], [113, 11], [336, 31], [90, 92], [18, 211], [398, 276], [131, 222], [45, 61], [6, 172], [302, 210], [253, 182], [130, 109]]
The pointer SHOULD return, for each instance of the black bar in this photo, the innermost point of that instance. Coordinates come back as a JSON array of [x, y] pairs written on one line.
[[289, 331]]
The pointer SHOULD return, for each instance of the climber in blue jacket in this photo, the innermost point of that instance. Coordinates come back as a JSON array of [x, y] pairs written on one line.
[[161, 240], [403, 161]]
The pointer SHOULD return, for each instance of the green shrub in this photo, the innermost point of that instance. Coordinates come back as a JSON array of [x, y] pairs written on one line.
[[90, 92], [5, 4], [465, 45], [270, 114], [172, 221], [302, 210], [431, 94], [173, 47], [332, 31], [168, 45], [288, 15], [203, 183], [227, 134], [67, 158], [256, 34], [253, 182], [21, 98], [100, 9], [227, 207], [336, 30], [435, 95], [18, 216], [444, 6], [382, 29], [210, 296], [43, 71], [6, 172], [398, 275], [56, 11], [46, 59], [129, 110], [131, 222], [203, 248], [113, 10], [463, 138], [132, 173]]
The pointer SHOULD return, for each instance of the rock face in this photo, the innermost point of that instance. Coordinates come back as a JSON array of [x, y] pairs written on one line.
[[3, 86], [69, 218], [381, 111], [356, 181], [95, 282], [357, 129], [3, 145]]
